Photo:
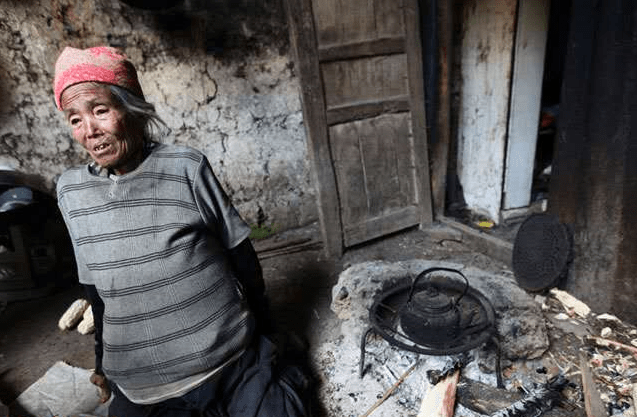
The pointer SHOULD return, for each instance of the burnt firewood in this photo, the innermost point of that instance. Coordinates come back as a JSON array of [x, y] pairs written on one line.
[[539, 400]]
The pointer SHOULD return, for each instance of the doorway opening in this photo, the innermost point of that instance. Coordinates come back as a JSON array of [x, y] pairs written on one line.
[[538, 55], [556, 44]]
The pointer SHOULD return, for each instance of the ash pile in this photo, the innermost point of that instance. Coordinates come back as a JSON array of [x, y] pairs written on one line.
[[545, 355]]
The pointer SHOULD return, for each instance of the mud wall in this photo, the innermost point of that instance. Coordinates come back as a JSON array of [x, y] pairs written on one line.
[[219, 73]]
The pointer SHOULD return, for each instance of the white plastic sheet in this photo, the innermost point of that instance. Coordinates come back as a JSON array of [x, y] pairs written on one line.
[[63, 391]]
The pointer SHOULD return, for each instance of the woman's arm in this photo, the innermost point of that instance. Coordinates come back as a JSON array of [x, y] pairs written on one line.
[[246, 266], [97, 305]]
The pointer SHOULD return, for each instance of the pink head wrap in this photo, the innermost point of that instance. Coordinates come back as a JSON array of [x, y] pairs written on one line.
[[100, 64]]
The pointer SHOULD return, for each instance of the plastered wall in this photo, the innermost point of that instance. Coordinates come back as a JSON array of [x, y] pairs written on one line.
[[219, 73]]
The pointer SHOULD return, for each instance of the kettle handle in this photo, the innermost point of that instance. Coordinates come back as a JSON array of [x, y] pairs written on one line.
[[428, 271]]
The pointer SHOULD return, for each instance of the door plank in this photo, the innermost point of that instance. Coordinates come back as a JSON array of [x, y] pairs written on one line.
[[374, 47], [406, 163], [325, 15], [389, 18], [347, 21], [346, 157], [387, 166], [366, 110], [379, 165], [357, 20], [372, 228], [375, 177], [365, 79]]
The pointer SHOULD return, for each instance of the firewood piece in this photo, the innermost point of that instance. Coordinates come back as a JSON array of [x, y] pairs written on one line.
[[73, 314], [483, 398], [592, 399], [571, 303], [440, 400], [486, 399], [607, 342], [538, 402], [608, 317]]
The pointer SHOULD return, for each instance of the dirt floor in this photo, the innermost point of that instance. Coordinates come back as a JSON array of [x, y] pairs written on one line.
[[298, 281]]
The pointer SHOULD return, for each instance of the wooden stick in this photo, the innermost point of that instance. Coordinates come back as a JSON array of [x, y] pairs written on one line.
[[606, 342], [390, 390], [592, 400]]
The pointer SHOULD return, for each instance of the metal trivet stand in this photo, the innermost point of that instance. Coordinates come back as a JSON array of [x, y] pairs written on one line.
[[433, 315]]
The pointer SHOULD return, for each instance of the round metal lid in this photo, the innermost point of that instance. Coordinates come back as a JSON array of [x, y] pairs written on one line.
[[541, 252]]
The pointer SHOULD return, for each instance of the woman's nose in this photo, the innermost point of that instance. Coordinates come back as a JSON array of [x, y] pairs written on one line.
[[92, 127]]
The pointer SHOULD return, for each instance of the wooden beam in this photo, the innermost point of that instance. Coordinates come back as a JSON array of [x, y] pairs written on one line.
[[303, 40], [385, 46], [358, 111], [413, 47], [482, 242]]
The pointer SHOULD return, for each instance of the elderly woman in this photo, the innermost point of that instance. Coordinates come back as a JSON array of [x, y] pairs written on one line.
[[165, 258]]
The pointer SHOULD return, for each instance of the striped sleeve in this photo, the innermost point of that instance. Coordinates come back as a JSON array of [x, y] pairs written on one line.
[[83, 274], [216, 208]]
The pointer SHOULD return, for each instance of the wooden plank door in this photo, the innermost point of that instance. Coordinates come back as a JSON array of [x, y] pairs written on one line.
[[359, 64], [526, 97]]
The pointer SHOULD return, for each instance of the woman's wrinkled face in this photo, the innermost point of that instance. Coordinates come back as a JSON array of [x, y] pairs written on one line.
[[98, 123]]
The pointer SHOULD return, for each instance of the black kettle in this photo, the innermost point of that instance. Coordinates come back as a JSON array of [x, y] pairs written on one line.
[[431, 317]]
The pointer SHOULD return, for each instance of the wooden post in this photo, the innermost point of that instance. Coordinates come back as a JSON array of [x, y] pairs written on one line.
[[441, 143]]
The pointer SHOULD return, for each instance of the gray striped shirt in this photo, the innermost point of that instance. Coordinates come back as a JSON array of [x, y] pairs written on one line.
[[153, 243]]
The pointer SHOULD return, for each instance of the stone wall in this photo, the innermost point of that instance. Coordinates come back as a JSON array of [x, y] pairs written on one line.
[[219, 73]]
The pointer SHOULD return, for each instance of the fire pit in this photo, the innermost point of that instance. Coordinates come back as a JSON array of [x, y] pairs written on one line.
[[379, 303], [432, 314]]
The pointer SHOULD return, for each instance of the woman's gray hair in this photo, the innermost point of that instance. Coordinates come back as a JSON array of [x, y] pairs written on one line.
[[141, 111]]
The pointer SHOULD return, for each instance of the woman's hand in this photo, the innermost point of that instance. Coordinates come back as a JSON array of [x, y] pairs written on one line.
[[100, 382]]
